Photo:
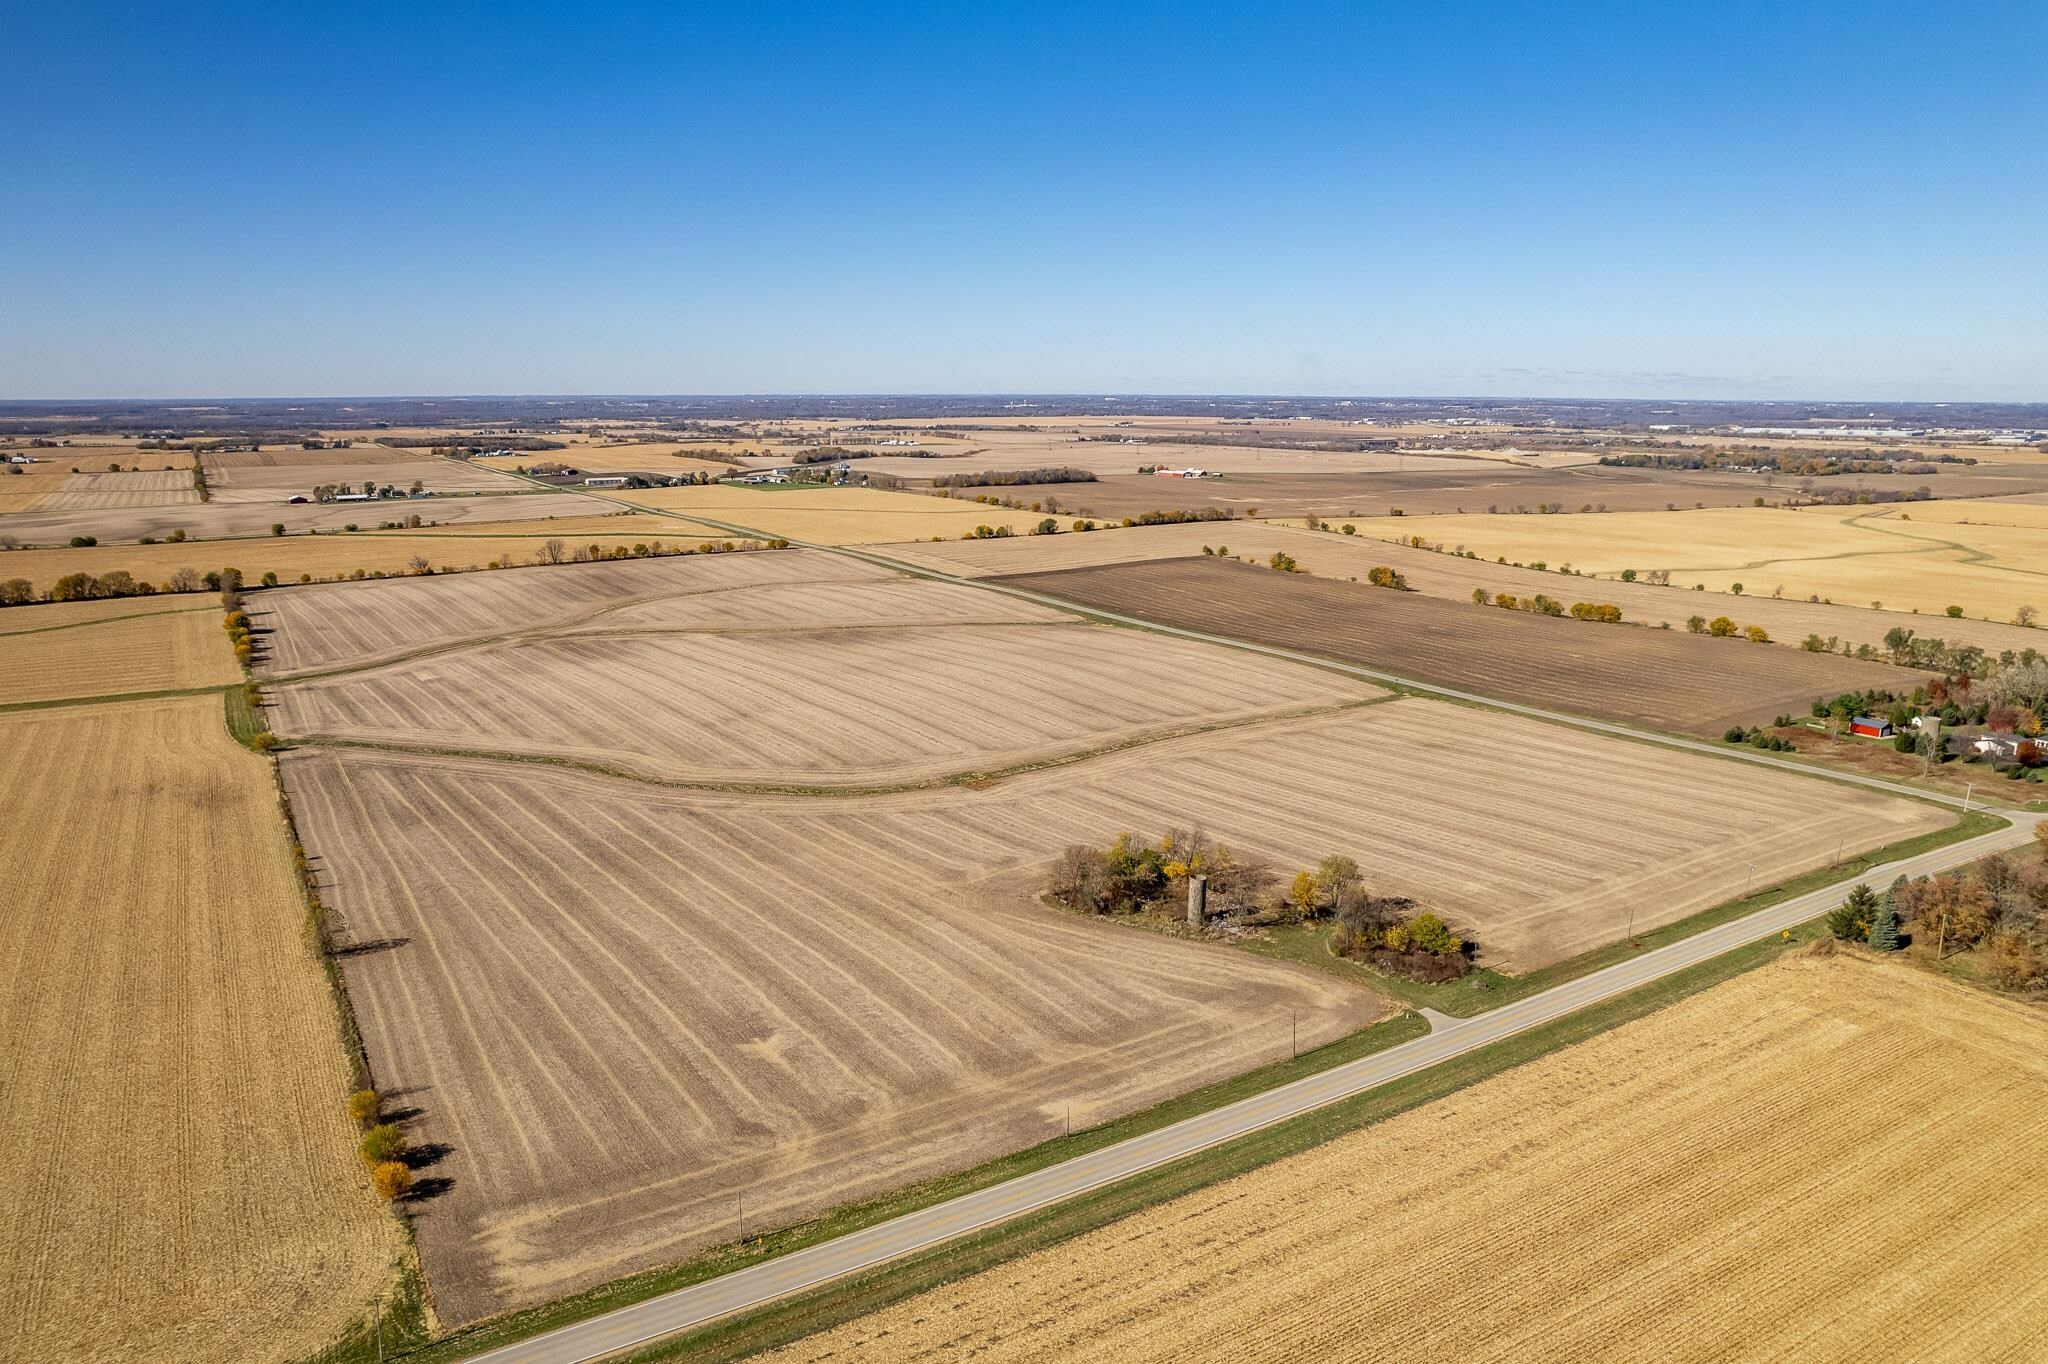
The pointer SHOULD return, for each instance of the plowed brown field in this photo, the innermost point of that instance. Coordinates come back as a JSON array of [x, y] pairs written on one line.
[[1664, 679], [626, 1007], [1824, 1160], [185, 1185]]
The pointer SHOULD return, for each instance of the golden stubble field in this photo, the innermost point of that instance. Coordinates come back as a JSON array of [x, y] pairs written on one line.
[[1823, 1160], [102, 649], [1907, 556], [187, 1186], [332, 555]]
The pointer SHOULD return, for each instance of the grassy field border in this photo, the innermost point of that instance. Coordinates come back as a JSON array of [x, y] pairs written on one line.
[[497, 1331], [1487, 989]]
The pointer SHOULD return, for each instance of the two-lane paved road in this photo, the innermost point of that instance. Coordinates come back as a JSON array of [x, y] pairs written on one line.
[[912, 1232]]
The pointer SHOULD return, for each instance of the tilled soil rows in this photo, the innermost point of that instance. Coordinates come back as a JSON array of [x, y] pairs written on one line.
[[1825, 1160], [1663, 679]]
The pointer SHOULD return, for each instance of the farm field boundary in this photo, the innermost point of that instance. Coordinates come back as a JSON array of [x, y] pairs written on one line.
[[1470, 1051], [1446, 1060]]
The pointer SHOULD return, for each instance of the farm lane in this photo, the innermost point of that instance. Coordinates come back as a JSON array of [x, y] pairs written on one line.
[[806, 1269]]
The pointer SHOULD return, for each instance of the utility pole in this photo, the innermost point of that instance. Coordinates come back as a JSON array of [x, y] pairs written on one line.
[[1294, 1031], [379, 1315], [1968, 787], [743, 1220], [1749, 884]]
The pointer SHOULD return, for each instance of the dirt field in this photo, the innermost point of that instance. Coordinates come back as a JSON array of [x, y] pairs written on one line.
[[666, 458], [1663, 679], [172, 1060], [835, 705], [178, 644], [623, 1010], [1857, 555], [834, 516], [1333, 555], [324, 556], [1765, 1171], [304, 629]]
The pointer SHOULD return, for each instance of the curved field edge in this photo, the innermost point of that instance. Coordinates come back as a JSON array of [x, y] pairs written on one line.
[[856, 1296]]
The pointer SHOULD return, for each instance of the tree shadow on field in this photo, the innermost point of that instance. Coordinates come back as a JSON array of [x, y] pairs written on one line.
[[367, 946]]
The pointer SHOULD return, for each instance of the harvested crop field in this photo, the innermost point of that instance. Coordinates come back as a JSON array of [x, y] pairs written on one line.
[[1854, 555], [1822, 1160], [1663, 679], [245, 478], [327, 556], [180, 644], [626, 1006], [834, 516], [830, 706], [1451, 577], [349, 624], [173, 1059], [623, 1009], [225, 518]]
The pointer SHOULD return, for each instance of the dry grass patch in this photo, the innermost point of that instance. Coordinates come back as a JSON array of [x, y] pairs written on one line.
[[1825, 1159], [172, 1063], [160, 650]]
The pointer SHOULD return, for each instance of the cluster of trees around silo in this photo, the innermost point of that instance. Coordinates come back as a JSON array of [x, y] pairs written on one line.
[[1134, 876]]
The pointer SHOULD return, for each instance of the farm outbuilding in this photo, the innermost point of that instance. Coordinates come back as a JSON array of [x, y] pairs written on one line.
[[1870, 727]]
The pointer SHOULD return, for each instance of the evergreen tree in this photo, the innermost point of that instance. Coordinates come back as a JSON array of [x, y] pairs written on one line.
[[1852, 919], [1884, 929]]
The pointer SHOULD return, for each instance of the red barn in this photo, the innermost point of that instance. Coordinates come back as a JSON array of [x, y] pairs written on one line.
[[1869, 727]]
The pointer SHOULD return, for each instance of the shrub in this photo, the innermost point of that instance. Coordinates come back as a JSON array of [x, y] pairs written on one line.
[[277, 527], [1757, 634], [1720, 627], [1696, 624], [1480, 596], [363, 1106], [84, 541], [1600, 611], [1382, 576], [391, 1179], [1955, 612], [1284, 562], [383, 1142], [1735, 735], [1046, 527]]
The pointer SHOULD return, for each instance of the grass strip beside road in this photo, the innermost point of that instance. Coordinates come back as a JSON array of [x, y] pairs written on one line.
[[739, 1336], [412, 1346], [1309, 945]]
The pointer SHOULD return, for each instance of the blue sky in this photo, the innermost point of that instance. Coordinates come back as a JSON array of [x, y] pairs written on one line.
[[1688, 200]]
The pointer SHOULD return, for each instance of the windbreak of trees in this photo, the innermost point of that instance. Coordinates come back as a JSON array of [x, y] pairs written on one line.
[[1996, 912], [1005, 478]]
